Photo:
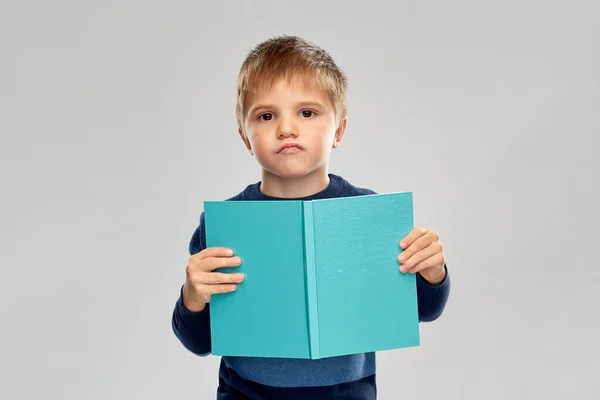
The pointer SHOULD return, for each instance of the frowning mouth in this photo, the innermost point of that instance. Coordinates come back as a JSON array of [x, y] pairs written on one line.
[[289, 148]]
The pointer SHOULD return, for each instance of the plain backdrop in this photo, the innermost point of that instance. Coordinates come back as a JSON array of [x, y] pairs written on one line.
[[117, 122]]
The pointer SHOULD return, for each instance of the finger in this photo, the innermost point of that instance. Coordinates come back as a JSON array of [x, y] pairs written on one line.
[[418, 256], [210, 264], [436, 259], [419, 244], [214, 252], [413, 235], [216, 278], [217, 289]]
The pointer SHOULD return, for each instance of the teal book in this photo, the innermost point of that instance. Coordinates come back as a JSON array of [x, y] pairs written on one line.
[[322, 277]]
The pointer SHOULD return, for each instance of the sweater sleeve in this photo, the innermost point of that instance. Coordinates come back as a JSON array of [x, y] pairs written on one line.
[[432, 299], [193, 328]]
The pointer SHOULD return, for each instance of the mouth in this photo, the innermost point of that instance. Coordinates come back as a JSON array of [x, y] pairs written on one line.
[[289, 148]]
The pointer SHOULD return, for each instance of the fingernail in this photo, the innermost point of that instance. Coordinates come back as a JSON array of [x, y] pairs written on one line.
[[401, 258], [230, 252], [402, 244]]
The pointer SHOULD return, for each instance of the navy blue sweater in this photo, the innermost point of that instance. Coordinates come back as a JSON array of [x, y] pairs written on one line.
[[343, 377]]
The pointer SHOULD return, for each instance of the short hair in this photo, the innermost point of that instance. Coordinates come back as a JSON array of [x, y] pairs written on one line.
[[288, 57]]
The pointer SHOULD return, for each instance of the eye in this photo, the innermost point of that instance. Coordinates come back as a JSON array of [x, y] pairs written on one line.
[[307, 113], [266, 116]]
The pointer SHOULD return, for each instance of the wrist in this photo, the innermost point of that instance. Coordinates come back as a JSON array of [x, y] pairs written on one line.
[[189, 302], [434, 278]]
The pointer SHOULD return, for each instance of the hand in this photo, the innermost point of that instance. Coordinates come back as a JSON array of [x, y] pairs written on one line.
[[202, 282], [422, 253]]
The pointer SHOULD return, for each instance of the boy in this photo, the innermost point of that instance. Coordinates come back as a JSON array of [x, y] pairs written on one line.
[[291, 112]]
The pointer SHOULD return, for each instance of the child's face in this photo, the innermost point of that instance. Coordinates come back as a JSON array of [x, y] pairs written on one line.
[[291, 114]]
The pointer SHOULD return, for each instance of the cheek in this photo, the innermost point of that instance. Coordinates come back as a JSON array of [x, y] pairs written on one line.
[[260, 145], [254, 138], [323, 138]]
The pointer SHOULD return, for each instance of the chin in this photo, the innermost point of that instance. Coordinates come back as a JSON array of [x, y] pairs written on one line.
[[292, 168], [291, 173]]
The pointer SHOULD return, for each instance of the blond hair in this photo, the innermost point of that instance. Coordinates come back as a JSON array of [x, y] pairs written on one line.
[[289, 57]]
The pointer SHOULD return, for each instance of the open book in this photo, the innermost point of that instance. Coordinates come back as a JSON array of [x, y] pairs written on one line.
[[322, 277]]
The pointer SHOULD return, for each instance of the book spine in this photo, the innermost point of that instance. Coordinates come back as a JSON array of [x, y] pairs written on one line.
[[311, 280]]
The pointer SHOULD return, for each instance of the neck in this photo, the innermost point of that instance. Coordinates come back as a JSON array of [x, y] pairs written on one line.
[[289, 188]]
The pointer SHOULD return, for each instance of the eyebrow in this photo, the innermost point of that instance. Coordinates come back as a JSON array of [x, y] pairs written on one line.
[[311, 103]]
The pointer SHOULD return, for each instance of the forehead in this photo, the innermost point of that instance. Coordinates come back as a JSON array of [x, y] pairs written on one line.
[[298, 87]]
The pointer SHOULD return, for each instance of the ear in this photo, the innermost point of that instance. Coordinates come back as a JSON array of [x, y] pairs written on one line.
[[339, 133], [245, 139]]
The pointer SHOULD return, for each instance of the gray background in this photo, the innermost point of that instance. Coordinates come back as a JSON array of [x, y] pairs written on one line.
[[117, 121]]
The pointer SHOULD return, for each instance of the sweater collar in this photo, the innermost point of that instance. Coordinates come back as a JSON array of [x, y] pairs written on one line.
[[335, 187]]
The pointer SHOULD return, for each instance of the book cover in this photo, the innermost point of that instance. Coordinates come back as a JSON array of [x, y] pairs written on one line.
[[322, 277]]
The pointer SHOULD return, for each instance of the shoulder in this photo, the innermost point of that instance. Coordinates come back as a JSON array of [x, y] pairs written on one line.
[[349, 189], [198, 240], [249, 192]]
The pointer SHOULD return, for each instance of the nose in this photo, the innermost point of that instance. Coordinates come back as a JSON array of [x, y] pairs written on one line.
[[286, 127]]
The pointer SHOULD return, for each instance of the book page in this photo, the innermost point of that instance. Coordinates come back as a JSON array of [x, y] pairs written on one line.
[[266, 316], [364, 302]]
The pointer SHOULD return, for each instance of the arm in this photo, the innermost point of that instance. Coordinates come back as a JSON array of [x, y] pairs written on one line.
[[193, 328], [432, 298]]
